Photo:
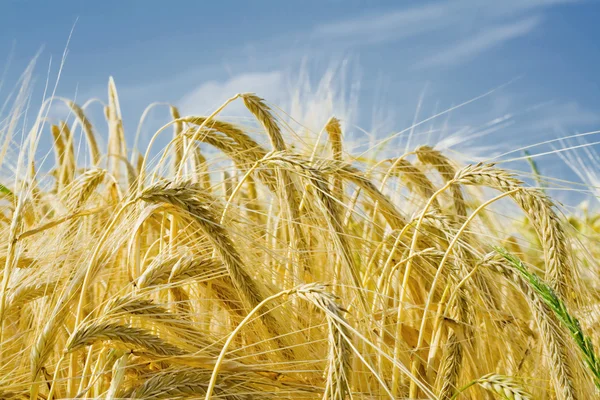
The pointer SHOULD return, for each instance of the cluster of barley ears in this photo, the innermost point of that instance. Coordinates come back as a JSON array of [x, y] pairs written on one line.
[[240, 262]]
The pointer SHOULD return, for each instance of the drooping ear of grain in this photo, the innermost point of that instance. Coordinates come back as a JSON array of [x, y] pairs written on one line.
[[289, 194], [504, 386], [339, 358], [436, 159], [91, 333], [560, 271]]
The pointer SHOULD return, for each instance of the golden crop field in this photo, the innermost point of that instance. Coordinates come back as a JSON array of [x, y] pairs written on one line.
[[273, 267]]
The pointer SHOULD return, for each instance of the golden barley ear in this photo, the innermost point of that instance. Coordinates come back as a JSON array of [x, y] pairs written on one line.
[[101, 331]]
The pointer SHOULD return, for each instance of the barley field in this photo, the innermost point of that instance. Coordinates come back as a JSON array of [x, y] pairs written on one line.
[[277, 266]]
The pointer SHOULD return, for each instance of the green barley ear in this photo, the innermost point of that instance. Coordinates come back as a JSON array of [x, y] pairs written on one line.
[[551, 299]]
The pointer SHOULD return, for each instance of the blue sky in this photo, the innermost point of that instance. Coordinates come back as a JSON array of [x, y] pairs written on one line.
[[387, 63]]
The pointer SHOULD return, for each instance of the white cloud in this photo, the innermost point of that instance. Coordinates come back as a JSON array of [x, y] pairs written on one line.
[[59, 111], [207, 97], [468, 48], [302, 99]]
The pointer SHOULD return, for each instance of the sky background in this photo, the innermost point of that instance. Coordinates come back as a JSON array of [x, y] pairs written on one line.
[[530, 66]]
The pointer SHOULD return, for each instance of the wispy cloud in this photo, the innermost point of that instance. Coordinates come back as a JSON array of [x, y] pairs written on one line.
[[508, 7], [565, 116], [382, 27], [464, 50], [404, 23]]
